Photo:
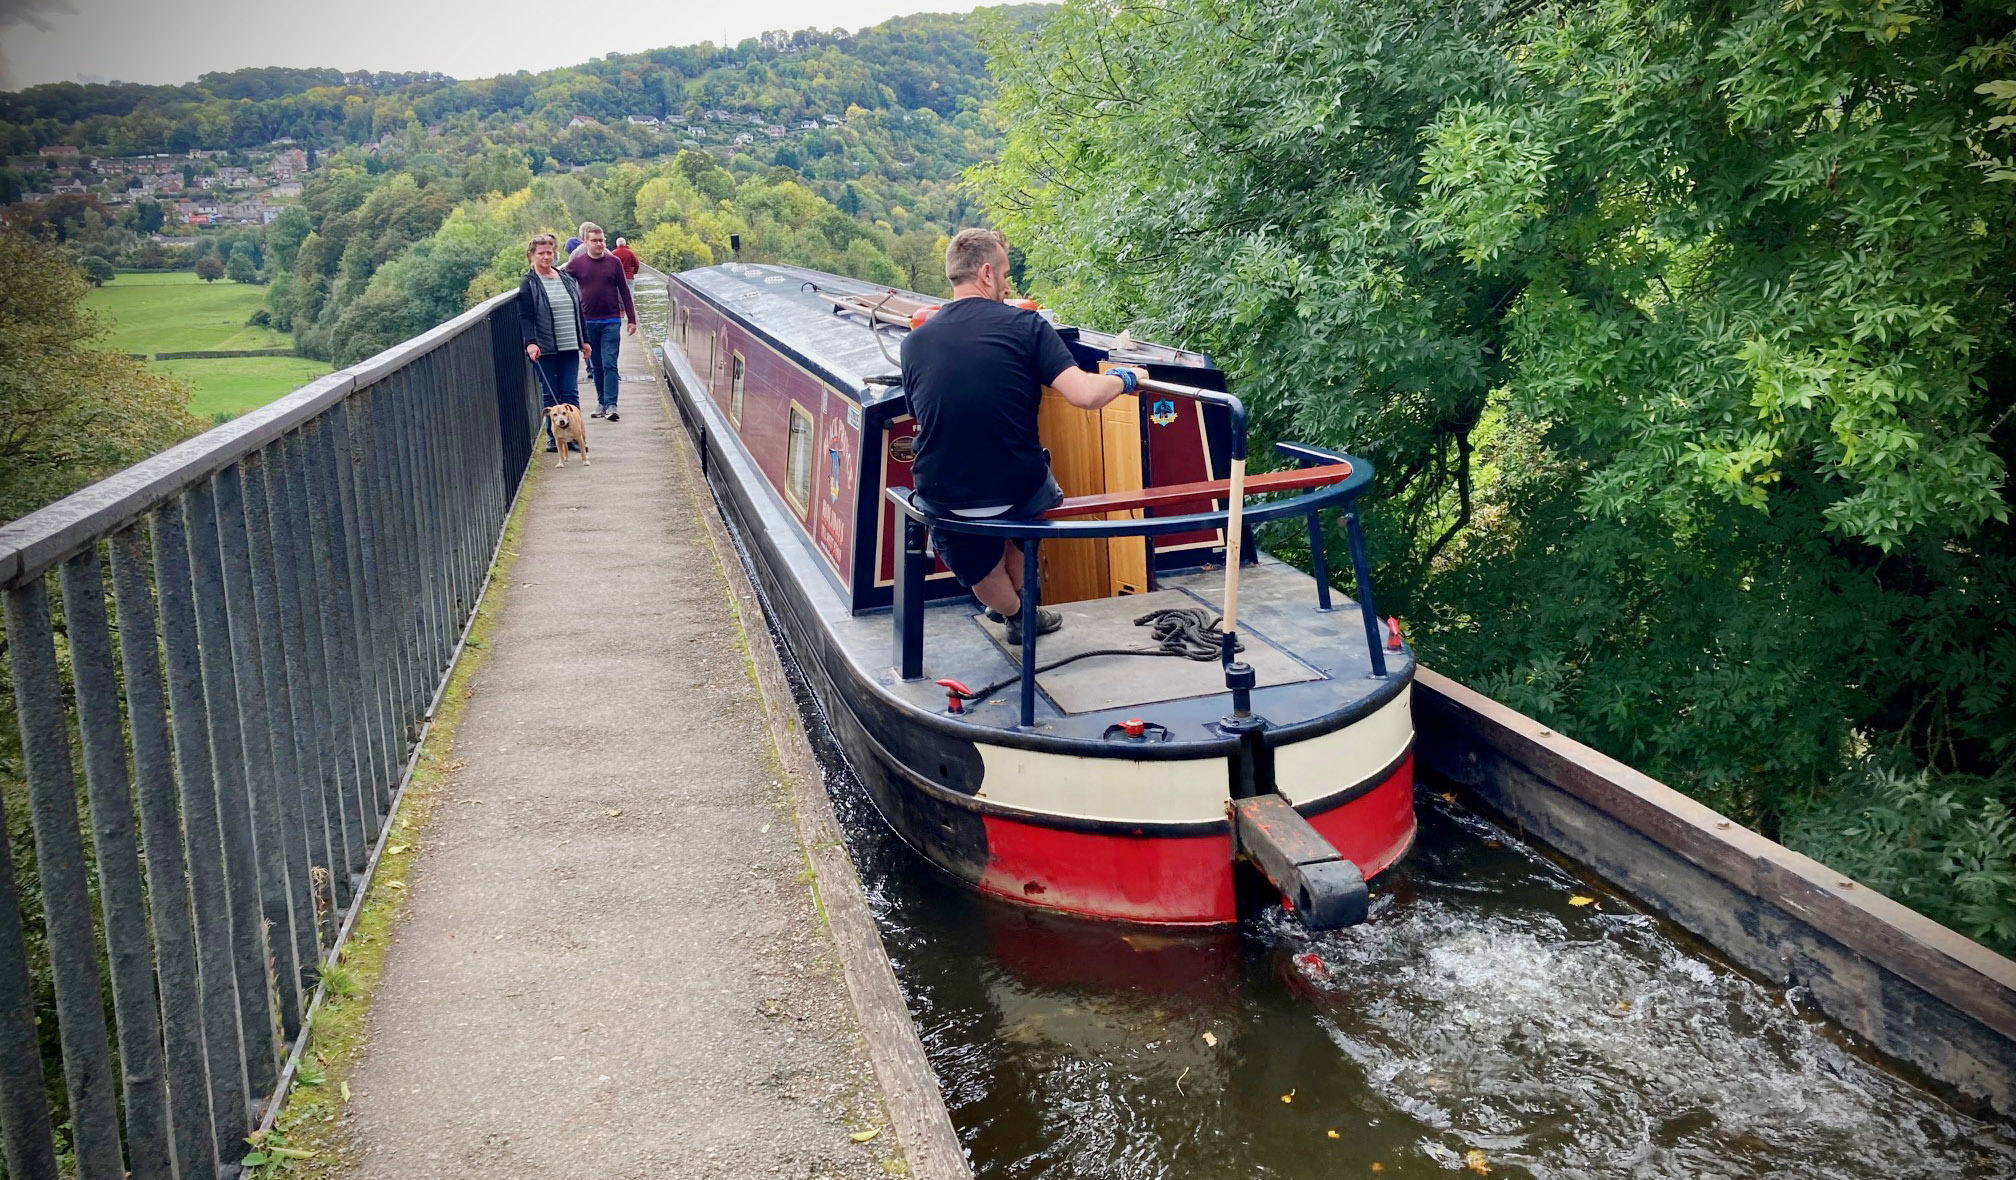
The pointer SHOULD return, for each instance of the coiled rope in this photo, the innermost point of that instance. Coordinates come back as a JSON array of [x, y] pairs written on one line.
[[1188, 632]]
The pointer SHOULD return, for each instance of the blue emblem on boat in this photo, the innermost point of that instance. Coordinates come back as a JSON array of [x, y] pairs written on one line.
[[1162, 413]]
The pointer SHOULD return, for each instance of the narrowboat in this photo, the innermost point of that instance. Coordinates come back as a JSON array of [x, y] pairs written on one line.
[[1197, 740]]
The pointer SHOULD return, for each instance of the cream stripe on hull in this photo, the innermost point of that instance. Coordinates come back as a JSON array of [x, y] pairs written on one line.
[[1193, 790]]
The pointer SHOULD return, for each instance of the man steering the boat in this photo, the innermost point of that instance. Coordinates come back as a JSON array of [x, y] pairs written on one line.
[[974, 374]]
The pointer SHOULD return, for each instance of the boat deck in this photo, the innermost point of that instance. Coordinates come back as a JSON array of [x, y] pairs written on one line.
[[1310, 663]]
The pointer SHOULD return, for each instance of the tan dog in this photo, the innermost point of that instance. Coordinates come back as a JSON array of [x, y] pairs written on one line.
[[568, 427]]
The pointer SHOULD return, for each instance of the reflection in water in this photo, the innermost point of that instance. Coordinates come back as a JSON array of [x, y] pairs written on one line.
[[1479, 1021]]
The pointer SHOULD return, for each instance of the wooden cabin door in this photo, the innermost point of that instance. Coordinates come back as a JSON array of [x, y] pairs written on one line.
[[1092, 453], [1073, 570], [1121, 440]]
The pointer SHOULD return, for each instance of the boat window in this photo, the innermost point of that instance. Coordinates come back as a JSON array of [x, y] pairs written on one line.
[[798, 459], [735, 375], [685, 321]]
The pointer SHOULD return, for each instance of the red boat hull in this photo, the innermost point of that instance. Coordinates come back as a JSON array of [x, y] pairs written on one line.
[[1177, 879]]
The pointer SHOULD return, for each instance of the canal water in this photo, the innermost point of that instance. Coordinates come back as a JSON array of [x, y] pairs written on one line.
[[1498, 1015]]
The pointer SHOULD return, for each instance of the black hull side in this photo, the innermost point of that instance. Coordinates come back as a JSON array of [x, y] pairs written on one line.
[[949, 836]]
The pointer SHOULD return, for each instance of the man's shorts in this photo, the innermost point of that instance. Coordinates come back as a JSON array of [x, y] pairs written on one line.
[[972, 558]]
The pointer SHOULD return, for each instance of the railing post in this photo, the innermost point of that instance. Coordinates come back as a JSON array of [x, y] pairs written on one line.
[[203, 840], [121, 898], [278, 802], [1361, 569], [1319, 562], [1031, 624], [261, 770], [25, 1133], [909, 603], [175, 961], [66, 894], [233, 806], [308, 560]]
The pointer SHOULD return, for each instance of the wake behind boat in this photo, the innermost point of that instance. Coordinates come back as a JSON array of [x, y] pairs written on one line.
[[1126, 779]]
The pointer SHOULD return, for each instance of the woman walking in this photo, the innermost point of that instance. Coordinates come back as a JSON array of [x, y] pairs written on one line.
[[549, 321]]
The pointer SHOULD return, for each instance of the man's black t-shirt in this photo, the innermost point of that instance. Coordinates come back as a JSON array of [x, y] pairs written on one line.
[[974, 375]]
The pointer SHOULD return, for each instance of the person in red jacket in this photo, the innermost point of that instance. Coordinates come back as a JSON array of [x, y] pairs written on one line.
[[605, 305], [624, 256]]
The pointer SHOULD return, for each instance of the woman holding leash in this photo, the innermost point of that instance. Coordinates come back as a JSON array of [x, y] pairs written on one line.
[[549, 321]]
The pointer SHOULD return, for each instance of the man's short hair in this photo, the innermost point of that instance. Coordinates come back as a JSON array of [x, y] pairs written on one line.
[[969, 250], [588, 227], [622, 241]]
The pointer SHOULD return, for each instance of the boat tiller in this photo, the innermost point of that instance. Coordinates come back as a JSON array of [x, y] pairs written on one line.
[[1325, 890]]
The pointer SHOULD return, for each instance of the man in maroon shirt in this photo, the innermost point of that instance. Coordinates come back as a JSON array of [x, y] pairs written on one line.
[[605, 305], [629, 260]]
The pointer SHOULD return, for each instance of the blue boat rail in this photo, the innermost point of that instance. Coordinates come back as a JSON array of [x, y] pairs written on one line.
[[1355, 476], [287, 594]]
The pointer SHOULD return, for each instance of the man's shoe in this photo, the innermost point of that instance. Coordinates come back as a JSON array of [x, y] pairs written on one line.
[[551, 449], [612, 415], [1047, 620], [598, 412]]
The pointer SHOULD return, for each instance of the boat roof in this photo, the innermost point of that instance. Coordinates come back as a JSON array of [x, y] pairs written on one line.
[[783, 303]]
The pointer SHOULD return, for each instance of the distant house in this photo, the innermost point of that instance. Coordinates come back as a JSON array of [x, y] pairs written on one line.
[[580, 121], [69, 188], [830, 120], [58, 149], [643, 120], [744, 139], [286, 188], [805, 125], [773, 131], [713, 116]]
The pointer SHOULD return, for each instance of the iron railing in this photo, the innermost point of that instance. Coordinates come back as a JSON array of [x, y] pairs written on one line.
[[252, 630], [915, 563]]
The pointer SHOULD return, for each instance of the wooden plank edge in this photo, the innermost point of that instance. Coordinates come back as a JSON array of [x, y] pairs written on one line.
[[917, 1113], [1894, 937]]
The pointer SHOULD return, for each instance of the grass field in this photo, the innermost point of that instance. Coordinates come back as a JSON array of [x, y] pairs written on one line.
[[236, 384], [177, 312]]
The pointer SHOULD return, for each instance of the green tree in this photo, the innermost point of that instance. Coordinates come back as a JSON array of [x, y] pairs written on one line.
[[209, 269], [285, 235], [106, 410], [148, 216], [1680, 335], [240, 268]]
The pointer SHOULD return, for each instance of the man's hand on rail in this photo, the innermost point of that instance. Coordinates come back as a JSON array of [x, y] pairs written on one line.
[[1090, 391]]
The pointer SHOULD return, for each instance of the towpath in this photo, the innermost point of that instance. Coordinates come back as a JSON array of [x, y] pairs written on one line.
[[610, 964]]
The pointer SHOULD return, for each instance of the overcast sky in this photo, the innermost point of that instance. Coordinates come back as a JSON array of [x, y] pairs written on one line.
[[162, 41]]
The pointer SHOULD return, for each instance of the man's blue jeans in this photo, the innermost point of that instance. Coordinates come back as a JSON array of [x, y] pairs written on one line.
[[606, 338]]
